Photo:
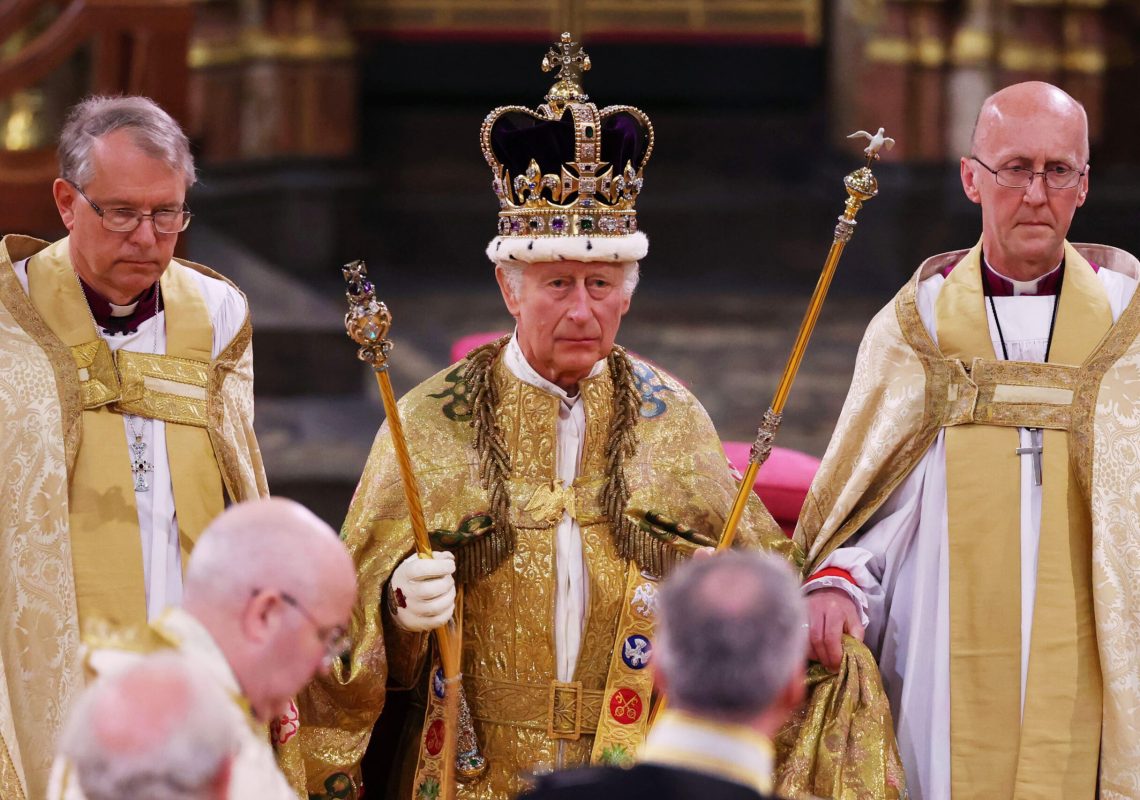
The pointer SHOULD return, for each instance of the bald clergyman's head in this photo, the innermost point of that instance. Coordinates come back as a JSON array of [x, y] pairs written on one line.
[[275, 587], [1028, 170], [1030, 100]]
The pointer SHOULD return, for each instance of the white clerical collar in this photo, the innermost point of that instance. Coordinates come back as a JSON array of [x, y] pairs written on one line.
[[518, 365], [123, 311], [733, 752], [1023, 287]]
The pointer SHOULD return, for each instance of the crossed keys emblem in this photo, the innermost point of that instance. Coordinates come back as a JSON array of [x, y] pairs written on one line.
[[625, 706]]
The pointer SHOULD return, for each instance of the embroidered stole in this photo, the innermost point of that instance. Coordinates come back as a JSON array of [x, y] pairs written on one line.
[[104, 525], [1052, 748]]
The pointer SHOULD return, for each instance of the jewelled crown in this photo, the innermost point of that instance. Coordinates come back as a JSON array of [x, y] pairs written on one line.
[[566, 174]]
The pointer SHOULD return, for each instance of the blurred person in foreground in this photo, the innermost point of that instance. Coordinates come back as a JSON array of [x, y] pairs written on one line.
[[977, 504], [269, 591], [731, 665], [126, 413], [159, 730]]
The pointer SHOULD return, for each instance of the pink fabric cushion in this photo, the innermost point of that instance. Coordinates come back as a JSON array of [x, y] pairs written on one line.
[[782, 483], [461, 347]]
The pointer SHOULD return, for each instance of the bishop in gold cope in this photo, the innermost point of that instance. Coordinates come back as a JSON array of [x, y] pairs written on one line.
[[127, 403], [975, 509]]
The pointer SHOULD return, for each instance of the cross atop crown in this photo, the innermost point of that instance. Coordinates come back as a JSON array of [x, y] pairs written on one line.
[[568, 57]]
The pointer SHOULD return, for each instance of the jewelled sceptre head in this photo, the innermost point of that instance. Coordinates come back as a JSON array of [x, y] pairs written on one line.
[[367, 323], [861, 185], [367, 320]]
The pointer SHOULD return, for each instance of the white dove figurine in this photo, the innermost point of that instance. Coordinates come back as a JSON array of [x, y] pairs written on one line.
[[876, 142]]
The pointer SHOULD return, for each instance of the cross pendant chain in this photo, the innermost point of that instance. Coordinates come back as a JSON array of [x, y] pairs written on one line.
[[1036, 449], [139, 465]]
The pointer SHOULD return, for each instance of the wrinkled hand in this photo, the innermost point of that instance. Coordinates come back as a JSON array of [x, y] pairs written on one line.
[[425, 591], [831, 613]]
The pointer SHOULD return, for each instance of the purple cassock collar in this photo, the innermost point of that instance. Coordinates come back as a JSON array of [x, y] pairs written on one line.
[[997, 285], [103, 312]]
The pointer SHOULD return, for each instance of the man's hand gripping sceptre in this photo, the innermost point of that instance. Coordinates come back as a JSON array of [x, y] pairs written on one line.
[[423, 586]]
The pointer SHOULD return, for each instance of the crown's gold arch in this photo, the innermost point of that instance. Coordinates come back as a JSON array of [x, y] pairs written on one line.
[[589, 195]]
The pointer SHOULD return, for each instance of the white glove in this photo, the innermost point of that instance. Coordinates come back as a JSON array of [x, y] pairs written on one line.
[[423, 591]]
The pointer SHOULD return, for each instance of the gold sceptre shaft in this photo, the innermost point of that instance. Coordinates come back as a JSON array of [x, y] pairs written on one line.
[[367, 323], [861, 186]]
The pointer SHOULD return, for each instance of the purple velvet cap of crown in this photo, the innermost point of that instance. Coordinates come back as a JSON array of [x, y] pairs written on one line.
[[516, 138]]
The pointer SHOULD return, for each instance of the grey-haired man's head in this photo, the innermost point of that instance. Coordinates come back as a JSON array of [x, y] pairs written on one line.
[[731, 637]]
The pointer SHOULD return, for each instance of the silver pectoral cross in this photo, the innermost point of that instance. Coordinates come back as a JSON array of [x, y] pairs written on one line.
[[1036, 449], [139, 465]]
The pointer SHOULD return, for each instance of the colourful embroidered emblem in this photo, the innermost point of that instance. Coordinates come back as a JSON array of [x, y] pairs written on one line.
[[650, 388], [437, 683], [457, 407], [625, 706], [286, 725], [616, 755], [338, 786], [433, 739], [471, 527], [644, 600], [635, 652], [428, 789]]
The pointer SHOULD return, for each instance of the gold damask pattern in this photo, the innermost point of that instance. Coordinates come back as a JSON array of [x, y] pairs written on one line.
[[185, 380], [98, 379], [229, 411], [561, 707], [841, 744], [1115, 474], [40, 635], [882, 430], [679, 469]]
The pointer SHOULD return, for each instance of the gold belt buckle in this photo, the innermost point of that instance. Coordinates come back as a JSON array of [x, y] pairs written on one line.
[[564, 711]]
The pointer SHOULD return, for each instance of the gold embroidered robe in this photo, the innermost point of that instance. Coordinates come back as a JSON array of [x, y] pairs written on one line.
[[904, 391], [41, 435], [679, 470]]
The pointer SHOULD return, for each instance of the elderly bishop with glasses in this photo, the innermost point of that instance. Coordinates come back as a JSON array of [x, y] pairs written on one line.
[[240, 630], [975, 512], [127, 414]]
